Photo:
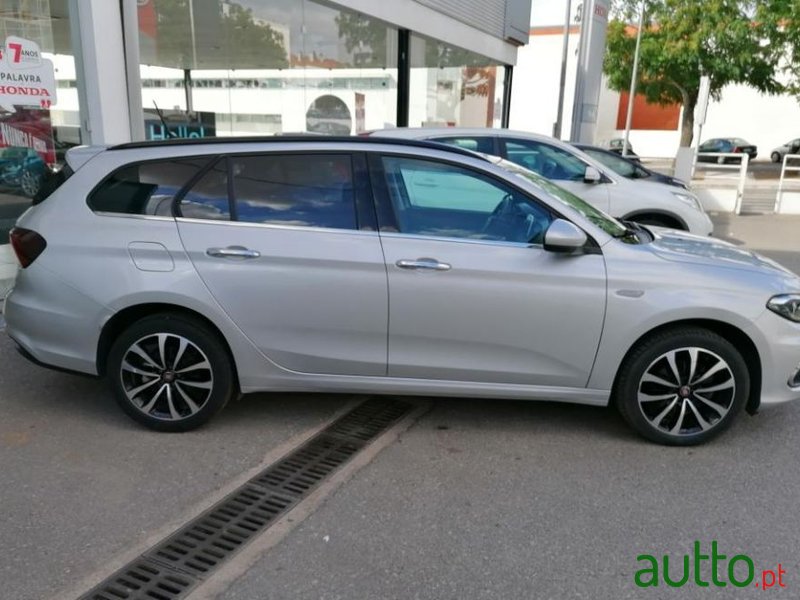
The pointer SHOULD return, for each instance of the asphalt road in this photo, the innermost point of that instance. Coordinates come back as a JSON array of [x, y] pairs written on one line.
[[479, 499]]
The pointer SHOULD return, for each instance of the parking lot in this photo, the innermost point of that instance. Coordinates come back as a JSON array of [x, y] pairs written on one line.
[[476, 499]]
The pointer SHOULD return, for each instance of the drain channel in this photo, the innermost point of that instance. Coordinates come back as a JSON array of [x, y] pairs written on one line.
[[174, 567]]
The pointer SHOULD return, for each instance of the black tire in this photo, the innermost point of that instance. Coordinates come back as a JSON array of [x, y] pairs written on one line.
[[775, 157], [191, 396], [650, 361]]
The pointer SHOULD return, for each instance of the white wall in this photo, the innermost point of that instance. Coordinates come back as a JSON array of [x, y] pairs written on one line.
[[534, 94], [766, 121]]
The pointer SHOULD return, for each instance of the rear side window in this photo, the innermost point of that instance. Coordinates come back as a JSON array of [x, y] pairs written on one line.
[[310, 190], [146, 188]]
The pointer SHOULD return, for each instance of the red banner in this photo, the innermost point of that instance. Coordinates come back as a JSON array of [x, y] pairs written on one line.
[[29, 128]]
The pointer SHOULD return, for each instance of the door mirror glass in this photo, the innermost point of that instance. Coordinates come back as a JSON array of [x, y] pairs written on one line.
[[592, 175], [564, 237]]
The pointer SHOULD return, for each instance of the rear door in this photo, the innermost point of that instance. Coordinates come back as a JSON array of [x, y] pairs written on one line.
[[284, 244]]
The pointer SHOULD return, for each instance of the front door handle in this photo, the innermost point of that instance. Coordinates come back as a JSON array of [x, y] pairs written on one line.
[[233, 252], [430, 264]]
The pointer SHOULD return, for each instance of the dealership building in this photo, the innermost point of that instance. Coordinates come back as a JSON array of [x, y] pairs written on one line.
[[147, 69]]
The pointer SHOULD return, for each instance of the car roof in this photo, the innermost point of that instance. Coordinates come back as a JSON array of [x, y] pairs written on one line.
[[280, 139]]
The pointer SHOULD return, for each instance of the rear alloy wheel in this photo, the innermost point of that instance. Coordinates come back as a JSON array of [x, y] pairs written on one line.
[[683, 387], [775, 157], [170, 373]]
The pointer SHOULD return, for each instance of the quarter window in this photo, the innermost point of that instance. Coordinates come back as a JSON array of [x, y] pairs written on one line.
[[146, 188], [314, 190], [437, 199]]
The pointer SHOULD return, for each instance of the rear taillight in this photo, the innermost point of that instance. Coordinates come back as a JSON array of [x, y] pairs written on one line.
[[27, 245], [737, 150]]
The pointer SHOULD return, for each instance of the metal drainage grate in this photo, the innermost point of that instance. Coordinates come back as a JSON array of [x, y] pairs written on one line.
[[174, 567]]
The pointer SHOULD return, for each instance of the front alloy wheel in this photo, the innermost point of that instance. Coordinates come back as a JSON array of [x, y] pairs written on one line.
[[682, 387], [686, 391], [170, 372]]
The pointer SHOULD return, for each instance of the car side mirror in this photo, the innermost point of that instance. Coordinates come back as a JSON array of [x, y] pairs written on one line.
[[592, 175], [564, 237]]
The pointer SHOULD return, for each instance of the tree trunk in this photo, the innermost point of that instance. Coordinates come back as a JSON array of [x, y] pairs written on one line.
[[687, 129]]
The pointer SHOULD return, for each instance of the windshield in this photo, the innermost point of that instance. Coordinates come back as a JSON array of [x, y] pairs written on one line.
[[608, 224]]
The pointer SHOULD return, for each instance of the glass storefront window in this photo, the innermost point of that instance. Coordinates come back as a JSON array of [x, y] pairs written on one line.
[[452, 87], [34, 136], [260, 67]]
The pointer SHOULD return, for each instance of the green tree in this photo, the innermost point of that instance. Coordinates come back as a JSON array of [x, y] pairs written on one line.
[[787, 15], [364, 39], [730, 41]]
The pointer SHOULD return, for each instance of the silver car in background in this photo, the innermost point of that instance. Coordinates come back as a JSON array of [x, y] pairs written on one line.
[[186, 272], [644, 201]]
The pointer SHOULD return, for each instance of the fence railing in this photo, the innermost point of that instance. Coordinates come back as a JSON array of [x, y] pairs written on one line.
[[786, 168], [721, 163]]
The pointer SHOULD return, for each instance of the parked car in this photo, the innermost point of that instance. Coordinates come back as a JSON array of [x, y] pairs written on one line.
[[387, 267], [790, 147], [24, 170], [727, 146], [617, 144], [643, 201], [21, 168], [632, 169]]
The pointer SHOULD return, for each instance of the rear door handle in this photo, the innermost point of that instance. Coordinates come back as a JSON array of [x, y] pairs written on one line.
[[430, 264], [233, 252]]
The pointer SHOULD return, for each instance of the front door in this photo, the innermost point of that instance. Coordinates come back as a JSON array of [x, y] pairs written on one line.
[[286, 260], [473, 295]]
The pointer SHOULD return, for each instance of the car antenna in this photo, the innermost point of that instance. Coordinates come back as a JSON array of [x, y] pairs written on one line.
[[164, 121]]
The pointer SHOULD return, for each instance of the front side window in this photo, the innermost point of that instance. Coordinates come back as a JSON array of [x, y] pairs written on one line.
[[146, 188], [303, 190], [617, 164], [546, 160], [436, 199]]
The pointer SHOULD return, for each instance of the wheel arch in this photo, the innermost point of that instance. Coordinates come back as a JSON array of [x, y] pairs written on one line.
[[740, 340], [675, 221], [130, 314]]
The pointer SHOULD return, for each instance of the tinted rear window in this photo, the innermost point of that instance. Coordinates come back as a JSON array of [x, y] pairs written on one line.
[[146, 188], [311, 190]]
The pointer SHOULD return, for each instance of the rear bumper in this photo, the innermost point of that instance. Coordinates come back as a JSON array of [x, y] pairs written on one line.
[[54, 324]]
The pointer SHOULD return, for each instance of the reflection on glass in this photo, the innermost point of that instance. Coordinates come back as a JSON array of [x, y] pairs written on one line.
[[264, 67], [451, 86], [35, 137]]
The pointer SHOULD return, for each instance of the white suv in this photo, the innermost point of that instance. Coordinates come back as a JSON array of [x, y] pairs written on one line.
[[645, 202]]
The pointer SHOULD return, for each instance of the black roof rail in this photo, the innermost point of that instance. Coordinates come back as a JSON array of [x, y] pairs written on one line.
[[374, 139]]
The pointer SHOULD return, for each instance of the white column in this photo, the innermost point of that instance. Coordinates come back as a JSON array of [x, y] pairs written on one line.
[[98, 43]]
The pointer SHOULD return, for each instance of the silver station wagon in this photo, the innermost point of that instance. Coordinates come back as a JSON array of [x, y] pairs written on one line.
[[187, 272]]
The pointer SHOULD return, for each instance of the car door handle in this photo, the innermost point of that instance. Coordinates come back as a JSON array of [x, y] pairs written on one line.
[[233, 252], [430, 264]]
